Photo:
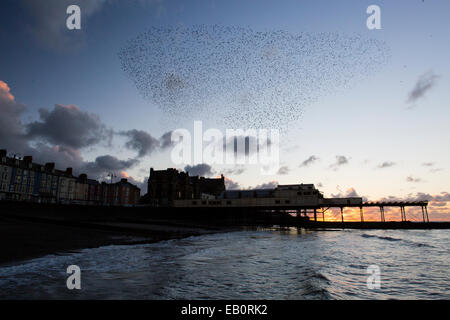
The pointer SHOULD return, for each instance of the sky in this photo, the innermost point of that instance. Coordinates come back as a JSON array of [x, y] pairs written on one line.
[[361, 112]]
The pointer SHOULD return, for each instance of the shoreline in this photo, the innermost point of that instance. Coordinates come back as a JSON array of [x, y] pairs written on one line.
[[29, 231], [24, 238]]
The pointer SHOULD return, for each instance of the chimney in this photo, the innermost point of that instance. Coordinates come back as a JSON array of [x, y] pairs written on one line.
[[50, 166], [2, 153], [69, 171], [83, 176], [123, 180]]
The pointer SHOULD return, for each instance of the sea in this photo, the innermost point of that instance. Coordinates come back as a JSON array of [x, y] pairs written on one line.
[[275, 263]]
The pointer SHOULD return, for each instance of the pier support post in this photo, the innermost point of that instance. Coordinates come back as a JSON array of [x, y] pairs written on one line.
[[426, 212], [315, 214], [362, 213], [382, 214], [323, 215], [342, 214], [423, 214]]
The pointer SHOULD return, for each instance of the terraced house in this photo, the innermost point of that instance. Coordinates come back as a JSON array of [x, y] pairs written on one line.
[[23, 180]]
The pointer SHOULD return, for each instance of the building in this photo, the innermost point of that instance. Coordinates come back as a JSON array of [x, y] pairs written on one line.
[[23, 180], [121, 193], [283, 196], [166, 186]]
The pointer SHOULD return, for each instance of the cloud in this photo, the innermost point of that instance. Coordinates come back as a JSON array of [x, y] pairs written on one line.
[[283, 170], [267, 185], [340, 161], [309, 161], [424, 84], [428, 164], [140, 141], [236, 170], [386, 164], [141, 184], [202, 169], [231, 185], [166, 140], [144, 143], [59, 137], [103, 165], [11, 129], [412, 179], [420, 196], [349, 193], [69, 126]]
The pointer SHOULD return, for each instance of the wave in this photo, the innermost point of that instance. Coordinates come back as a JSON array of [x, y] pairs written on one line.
[[364, 235], [410, 242]]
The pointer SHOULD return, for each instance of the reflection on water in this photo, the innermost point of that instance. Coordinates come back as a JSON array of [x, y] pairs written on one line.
[[258, 264]]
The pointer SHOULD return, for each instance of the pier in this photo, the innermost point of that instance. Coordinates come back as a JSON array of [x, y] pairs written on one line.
[[381, 205]]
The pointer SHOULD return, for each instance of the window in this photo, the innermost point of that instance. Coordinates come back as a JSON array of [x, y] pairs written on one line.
[[277, 201], [287, 201], [228, 202], [194, 202]]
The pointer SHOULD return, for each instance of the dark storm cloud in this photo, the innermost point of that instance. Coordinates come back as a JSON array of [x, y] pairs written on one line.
[[203, 169], [424, 84], [143, 142], [106, 164], [165, 140], [11, 128], [69, 126], [140, 141], [245, 78], [309, 161], [14, 139], [58, 137]]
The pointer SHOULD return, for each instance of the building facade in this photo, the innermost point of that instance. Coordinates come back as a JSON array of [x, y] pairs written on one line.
[[283, 196], [166, 186], [23, 180]]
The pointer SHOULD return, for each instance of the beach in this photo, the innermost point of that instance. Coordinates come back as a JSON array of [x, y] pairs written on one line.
[[29, 231]]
